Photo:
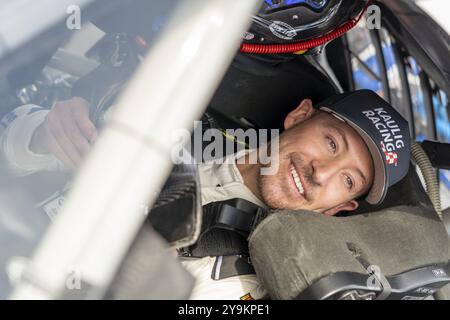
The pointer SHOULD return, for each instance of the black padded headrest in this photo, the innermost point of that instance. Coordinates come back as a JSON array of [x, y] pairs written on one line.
[[265, 89], [292, 250]]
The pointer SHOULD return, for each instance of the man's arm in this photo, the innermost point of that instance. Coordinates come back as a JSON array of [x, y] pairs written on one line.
[[17, 128], [36, 139], [244, 287], [67, 132]]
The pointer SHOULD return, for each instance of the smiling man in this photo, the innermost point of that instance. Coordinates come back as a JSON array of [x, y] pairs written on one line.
[[324, 165], [353, 146]]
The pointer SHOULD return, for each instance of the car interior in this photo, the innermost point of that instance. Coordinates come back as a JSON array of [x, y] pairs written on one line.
[[401, 246]]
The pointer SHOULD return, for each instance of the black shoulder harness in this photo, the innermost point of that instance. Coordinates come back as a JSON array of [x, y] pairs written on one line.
[[225, 228]]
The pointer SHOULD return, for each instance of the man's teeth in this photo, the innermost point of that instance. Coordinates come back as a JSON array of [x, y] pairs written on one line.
[[297, 181]]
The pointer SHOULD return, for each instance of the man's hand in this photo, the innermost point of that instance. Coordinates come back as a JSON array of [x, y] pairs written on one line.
[[67, 132]]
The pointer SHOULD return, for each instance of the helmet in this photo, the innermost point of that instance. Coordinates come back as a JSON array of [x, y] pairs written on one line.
[[288, 26]]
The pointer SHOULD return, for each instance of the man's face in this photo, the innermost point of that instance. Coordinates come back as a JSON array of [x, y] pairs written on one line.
[[323, 164]]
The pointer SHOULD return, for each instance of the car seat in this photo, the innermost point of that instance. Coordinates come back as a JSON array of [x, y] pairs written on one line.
[[301, 254], [263, 89], [397, 250]]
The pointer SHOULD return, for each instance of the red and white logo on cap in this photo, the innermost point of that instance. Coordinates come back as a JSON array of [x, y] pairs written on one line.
[[391, 157]]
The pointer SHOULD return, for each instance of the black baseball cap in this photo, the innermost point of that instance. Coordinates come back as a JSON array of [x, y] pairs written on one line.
[[383, 129]]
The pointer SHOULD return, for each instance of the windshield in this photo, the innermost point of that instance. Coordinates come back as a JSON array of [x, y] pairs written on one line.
[[84, 49], [91, 100]]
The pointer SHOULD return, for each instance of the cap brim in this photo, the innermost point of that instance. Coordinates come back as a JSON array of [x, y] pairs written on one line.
[[379, 187]]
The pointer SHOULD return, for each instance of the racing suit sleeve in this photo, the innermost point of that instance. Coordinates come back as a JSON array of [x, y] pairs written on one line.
[[16, 131], [241, 287]]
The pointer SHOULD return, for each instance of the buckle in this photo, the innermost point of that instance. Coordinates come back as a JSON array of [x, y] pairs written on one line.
[[185, 252]]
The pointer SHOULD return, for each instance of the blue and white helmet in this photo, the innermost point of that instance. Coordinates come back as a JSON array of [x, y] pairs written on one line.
[[290, 21]]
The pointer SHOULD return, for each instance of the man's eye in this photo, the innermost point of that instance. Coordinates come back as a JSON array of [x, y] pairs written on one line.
[[332, 145], [349, 182]]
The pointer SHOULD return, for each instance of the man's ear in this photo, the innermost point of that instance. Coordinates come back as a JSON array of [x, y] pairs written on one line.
[[347, 206], [304, 111]]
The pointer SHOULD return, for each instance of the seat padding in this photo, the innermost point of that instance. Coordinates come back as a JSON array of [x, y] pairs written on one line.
[[265, 92], [292, 250]]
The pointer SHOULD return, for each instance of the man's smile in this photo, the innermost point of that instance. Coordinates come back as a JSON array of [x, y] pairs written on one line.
[[297, 181]]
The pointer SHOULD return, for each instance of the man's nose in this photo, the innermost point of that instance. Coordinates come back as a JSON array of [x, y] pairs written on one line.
[[323, 171]]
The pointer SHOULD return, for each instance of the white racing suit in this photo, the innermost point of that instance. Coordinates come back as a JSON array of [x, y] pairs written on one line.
[[219, 182]]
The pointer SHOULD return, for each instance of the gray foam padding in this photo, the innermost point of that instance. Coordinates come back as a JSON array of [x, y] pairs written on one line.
[[292, 250]]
